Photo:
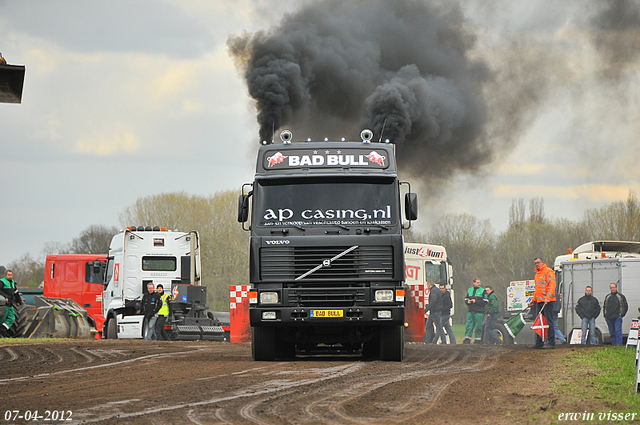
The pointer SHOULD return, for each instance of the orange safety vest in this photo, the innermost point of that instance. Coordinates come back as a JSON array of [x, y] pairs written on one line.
[[545, 284]]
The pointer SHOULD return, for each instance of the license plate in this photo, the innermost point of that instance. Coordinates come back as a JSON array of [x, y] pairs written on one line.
[[326, 313]]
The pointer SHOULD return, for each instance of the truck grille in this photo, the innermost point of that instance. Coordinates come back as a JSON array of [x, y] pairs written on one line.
[[283, 263], [325, 297]]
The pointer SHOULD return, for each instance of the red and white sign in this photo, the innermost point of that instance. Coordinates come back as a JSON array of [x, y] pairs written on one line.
[[541, 326], [175, 292], [116, 272]]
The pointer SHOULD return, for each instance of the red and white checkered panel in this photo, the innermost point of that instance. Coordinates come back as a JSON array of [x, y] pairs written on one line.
[[237, 294], [416, 293]]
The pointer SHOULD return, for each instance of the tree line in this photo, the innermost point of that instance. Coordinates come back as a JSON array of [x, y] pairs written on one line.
[[475, 249]]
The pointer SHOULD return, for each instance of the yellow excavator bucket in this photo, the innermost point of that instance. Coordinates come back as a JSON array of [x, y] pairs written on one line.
[[11, 81]]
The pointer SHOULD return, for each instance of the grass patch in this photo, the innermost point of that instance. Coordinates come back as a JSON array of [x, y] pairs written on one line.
[[603, 378], [458, 331], [613, 374]]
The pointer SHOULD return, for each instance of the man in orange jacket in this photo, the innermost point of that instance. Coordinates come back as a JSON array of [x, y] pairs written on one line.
[[544, 298]]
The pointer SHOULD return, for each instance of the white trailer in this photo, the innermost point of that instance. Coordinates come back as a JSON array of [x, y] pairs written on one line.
[[599, 274]]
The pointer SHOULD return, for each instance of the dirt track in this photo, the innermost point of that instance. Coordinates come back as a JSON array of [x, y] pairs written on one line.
[[147, 382]]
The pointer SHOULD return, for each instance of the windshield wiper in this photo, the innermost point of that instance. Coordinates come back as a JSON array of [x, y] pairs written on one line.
[[379, 225], [327, 262]]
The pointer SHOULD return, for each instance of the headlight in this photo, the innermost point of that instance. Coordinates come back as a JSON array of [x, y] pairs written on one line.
[[384, 295], [269, 315], [384, 314], [268, 298]]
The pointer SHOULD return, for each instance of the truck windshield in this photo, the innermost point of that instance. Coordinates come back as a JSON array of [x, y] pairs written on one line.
[[93, 274], [435, 272], [325, 202], [159, 264]]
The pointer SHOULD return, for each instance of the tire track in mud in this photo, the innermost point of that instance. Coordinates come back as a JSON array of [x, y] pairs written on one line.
[[351, 392], [98, 366], [341, 402], [245, 392]]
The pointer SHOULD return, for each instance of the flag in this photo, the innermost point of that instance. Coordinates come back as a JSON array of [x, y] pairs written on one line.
[[514, 325], [540, 326]]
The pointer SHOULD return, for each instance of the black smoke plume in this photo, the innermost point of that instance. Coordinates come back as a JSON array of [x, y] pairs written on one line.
[[335, 67]]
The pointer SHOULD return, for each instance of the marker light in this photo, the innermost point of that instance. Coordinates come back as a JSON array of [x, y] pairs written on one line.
[[269, 315], [384, 314]]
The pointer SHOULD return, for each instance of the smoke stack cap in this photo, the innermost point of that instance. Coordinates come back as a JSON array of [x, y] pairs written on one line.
[[286, 137], [366, 135]]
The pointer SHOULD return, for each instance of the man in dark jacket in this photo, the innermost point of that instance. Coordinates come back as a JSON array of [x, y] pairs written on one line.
[[435, 314], [588, 308], [12, 297], [476, 301], [614, 309], [491, 311], [447, 305], [151, 303]]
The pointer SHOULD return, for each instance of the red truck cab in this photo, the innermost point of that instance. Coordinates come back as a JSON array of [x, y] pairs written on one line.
[[79, 277]]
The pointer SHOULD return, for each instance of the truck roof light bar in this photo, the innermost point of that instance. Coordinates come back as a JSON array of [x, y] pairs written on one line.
[[146, 229]]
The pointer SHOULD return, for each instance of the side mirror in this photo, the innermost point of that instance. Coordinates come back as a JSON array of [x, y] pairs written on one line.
[[243, 208], [411, 206]]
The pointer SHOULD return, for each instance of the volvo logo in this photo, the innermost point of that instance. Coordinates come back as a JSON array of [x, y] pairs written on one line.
[[278, 242], [326, 263]]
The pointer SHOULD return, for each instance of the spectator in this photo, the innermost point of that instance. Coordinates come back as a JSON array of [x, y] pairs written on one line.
[[12, 297], [614, 308], [491, 311], [435, 314], [588, 308], [544, 299], [447, 305], [476, 301], [163, 314], [151, 304]]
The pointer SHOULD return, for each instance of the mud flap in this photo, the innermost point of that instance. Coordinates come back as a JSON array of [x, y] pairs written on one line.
[[59, 318], [11, 82]]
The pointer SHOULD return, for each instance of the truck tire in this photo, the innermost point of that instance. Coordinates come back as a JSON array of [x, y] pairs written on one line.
[[392, 343], [20, 325], [112, 328], [502, 333], [263, 343]]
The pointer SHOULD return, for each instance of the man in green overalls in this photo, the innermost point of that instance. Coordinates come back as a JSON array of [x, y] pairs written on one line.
[[11, 295]]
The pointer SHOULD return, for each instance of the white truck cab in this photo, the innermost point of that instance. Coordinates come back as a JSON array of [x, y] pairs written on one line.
[[137, 257]]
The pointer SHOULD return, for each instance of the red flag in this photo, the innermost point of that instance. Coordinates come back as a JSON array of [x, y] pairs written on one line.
[[540, 326]]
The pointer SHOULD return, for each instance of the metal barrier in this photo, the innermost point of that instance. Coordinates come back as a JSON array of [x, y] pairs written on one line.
[[239, 313], [414, 313]]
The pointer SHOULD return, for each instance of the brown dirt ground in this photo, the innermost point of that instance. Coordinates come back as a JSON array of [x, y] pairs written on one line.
[[150, 382]]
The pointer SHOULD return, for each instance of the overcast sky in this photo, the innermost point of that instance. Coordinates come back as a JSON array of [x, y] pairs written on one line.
[[126, 99]]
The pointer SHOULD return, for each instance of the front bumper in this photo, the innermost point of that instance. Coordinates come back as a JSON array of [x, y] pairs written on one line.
[[328, 316]]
